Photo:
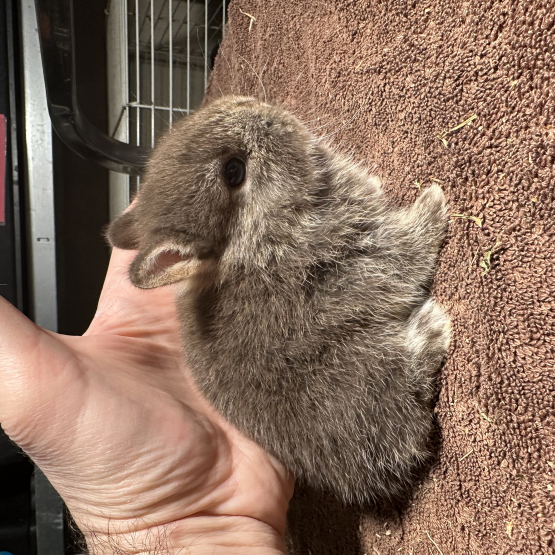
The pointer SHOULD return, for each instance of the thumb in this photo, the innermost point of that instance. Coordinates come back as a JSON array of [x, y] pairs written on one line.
[[29, 357]]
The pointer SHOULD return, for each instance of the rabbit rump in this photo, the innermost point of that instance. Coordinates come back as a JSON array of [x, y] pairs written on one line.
[[303, 297]]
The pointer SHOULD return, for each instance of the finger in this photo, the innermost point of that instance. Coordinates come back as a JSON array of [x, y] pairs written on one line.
[[19, 336], [24, 348]]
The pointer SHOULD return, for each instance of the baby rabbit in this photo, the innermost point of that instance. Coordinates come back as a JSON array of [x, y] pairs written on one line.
[[304, 303]]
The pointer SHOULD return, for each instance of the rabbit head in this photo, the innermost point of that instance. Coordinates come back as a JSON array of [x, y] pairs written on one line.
[[228, 187]]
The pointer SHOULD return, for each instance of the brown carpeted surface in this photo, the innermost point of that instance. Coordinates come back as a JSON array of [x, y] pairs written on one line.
[[389, 79]]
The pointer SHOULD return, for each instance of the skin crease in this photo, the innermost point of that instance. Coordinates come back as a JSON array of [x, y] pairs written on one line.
[[113, 420]]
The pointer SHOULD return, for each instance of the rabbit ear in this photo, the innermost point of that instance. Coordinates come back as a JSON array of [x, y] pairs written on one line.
[[164, 264], [123, 232]]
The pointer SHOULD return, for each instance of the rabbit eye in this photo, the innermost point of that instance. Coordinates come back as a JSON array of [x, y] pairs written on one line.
[[234, 172]]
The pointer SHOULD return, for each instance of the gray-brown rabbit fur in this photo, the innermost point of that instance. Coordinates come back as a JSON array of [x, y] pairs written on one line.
[[304, 303]]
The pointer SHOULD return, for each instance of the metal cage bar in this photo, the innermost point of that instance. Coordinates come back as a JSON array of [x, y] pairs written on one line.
[[206, 54], [188, 56], [40, 178], [172, 58], [137, 73], [170, 31], [152, 75], [58, 61]]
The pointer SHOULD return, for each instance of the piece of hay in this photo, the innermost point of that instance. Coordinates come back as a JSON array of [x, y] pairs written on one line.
[[475, 219], [253, 19], [486, 417], [510, 526], [474, 258], [467, 121], [485, 263], [469, 453], [435, 544]]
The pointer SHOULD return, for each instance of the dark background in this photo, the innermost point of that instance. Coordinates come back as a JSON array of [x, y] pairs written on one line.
[[81, 187], [81, 210], [16, 514]]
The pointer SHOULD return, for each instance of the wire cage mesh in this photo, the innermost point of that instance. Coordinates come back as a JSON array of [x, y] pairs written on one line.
[[160, 53], [170, 45]]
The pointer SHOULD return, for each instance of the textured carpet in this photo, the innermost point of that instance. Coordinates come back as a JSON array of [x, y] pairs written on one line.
[[393, 82]]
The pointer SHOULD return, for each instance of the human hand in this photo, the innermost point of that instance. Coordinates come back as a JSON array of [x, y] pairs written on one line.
[[115, 423]]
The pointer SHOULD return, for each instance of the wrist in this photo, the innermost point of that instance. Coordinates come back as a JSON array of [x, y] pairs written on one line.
[[198, 535]]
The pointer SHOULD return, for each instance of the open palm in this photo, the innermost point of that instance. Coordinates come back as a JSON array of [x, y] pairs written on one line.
[[114, 421]]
